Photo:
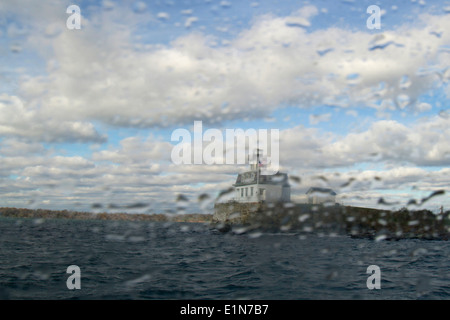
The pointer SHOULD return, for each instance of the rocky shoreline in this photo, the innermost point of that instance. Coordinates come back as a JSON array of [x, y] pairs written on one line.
[[356, 222], [66, 214]]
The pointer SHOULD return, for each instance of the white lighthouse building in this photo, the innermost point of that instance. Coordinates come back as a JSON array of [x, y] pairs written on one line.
[[252, 186]]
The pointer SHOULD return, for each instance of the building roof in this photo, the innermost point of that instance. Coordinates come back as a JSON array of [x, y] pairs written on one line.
[[250, 177]]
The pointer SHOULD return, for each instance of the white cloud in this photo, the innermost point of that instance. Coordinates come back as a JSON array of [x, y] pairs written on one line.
[[424, 143], [17, 120], [117, 81], [15, 147], [133, 150]]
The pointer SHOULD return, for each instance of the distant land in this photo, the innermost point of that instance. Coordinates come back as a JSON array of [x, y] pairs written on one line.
[[67, 214]]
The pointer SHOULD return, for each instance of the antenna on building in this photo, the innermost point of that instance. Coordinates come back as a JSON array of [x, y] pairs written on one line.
[[258, 171]]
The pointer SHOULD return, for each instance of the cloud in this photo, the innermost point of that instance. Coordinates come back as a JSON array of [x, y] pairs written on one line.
[[107, 74], [386, 142], [18, 121], [139, 170], [134, 150], [102, 74], [15, 147], [301, 17], [423, 144]]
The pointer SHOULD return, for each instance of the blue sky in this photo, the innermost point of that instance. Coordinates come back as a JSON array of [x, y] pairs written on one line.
[[86, 115]]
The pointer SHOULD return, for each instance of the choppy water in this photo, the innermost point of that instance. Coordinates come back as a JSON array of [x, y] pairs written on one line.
[[123, 260]]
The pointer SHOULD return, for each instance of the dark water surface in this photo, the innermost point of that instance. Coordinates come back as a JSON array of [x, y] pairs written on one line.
[[141, 260]]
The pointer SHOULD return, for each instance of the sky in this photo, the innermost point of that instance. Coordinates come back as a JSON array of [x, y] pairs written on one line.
[[87, 115]]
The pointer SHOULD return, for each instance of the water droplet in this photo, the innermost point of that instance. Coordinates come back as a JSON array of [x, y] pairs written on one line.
[[182, 198], [422, 107], [435, 33], [446, 74], [405, 82], [234, 215], [225, 4], [108, 5], [423, 286], [299, 22], [384, 202], [137, 205], [203, 197], [163, 16], [255, 234], [433, 194], [224, 193], [303, 217], [380, 237], [52, 30], [419, 252], [380, 46], [324, 51], [239, 230], [352, 77], [189, 21], [187, 12], [413, 223], [317, 118], [115, 237], [346, 184], [294, 179], [136, 239], [15, 48], [402, 100], [332, 275], [444, 114], [134, 282], [38, 221], [139, 7]]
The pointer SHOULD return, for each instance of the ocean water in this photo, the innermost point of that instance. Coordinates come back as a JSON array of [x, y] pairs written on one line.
[[141, 260]]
